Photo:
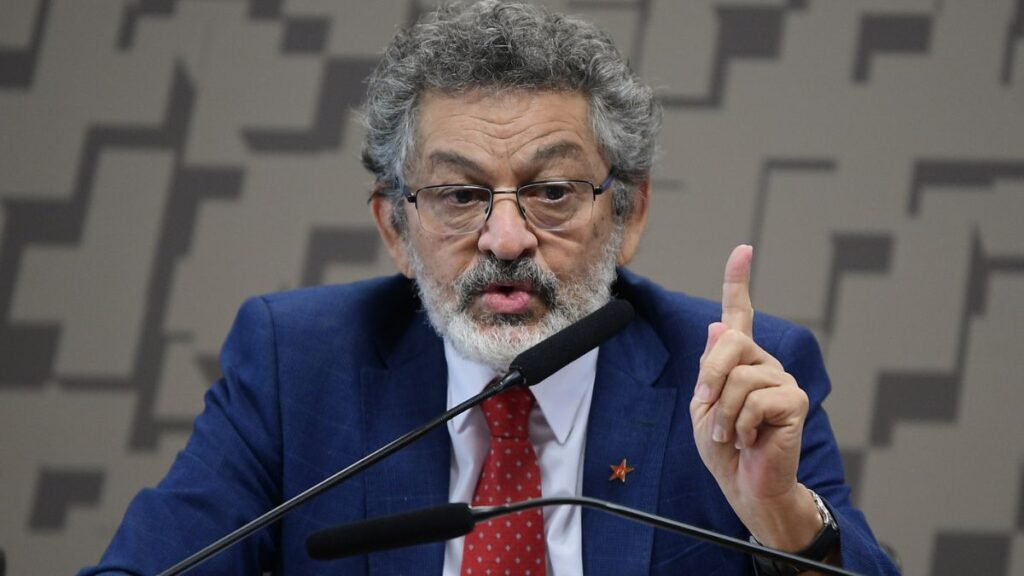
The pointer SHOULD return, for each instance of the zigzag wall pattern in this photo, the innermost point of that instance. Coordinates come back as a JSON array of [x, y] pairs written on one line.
[[162, 159]]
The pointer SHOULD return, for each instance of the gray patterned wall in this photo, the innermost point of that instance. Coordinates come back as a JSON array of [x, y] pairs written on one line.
[[162, 159]]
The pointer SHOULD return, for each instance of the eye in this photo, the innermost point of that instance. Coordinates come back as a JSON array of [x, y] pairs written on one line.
[[462, 196], [554, 192]]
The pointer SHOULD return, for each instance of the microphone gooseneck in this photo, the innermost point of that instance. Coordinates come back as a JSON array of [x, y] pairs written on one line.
[[529, 368], [454, 520]]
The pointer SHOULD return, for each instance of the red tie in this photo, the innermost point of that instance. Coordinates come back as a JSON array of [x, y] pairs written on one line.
[[513, 544]]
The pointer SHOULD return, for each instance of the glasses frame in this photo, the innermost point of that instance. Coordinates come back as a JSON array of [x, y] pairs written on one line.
[[410, 196]]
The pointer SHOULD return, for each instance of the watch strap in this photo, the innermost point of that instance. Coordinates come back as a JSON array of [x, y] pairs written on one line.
[[824, 542]]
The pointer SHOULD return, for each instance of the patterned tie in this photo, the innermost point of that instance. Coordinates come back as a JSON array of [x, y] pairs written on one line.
[[513, 544]]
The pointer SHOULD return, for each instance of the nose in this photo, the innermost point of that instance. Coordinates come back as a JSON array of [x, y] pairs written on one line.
[[506, 233]]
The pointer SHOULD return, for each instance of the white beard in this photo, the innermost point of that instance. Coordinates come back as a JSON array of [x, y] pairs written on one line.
[[495, 340]]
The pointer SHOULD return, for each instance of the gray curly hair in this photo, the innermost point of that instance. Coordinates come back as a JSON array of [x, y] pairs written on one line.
[[494, 45]]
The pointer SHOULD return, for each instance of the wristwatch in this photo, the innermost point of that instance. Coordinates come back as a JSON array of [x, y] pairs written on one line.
[[819, 548]]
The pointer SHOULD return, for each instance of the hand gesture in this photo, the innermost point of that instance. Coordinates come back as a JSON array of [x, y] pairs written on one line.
[[748, 416]]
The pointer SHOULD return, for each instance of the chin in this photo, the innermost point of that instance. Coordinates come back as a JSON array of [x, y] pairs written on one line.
[[498, 321], [496, 341]]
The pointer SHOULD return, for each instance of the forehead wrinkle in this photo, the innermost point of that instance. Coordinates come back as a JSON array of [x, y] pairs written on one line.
[[546, 133], [514, 135], [563, 149], [524, 138], [497, 121], [551, 152]]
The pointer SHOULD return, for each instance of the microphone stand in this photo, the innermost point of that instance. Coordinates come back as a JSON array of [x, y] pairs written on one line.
[[481, 514], [513, 378], [458, 519]]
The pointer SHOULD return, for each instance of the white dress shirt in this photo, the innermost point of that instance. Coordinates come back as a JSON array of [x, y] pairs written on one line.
[[558, 427]]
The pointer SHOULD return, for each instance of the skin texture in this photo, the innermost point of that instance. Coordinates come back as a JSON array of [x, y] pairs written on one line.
[[506, 140]]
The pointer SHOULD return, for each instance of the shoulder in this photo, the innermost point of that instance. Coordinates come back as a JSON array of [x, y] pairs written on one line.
[[362, 300], [346, 318]]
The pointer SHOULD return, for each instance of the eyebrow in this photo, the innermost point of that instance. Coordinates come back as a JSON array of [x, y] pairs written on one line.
[[558, 150], [453, 160]]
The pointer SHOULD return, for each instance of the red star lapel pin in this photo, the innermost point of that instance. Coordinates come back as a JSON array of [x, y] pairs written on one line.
[[619, 471]]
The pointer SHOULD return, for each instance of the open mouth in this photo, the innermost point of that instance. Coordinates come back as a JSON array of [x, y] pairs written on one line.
[[508, 287], [507, 297]]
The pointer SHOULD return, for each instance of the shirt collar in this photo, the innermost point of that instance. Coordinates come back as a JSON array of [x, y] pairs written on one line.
[[559, 396]]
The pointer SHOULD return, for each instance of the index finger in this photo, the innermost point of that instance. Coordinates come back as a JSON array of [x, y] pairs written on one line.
[[737, 310]]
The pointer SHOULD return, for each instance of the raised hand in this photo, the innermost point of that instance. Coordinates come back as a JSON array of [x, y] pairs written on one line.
[[748, 415]]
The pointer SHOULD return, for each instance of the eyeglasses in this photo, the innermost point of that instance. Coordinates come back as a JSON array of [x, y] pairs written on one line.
[[454, 209]]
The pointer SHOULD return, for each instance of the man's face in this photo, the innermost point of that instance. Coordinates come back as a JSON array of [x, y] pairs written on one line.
[[496, 292]]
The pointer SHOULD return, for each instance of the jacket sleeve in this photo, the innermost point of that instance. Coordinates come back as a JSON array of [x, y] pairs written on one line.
[[821, 468], [228, 473]]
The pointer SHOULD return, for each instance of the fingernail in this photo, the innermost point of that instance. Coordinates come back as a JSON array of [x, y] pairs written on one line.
[[703, 392], [738, 444], [718, 434]]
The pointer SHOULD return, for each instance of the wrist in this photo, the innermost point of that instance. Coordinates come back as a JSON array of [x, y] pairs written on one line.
[[788, 523], [824, 547]]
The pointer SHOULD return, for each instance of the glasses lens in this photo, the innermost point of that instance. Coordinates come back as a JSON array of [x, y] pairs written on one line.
[[452, 209], [557, 205]]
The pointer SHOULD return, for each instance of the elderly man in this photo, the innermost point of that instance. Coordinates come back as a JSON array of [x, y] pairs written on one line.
[[512, 150]]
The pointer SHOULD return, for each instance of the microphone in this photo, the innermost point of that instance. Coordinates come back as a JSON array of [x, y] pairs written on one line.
[[409, 529], [555, 352], [458, 519], [528, 368]]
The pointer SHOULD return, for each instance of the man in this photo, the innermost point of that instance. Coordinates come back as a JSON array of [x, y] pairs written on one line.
[[512, 150]]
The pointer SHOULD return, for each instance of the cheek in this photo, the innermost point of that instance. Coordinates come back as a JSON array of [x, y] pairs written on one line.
[[601, 232], [601, 224], [568, 258], [445, 259]]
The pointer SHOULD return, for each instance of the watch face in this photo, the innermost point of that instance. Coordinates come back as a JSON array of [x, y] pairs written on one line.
[[828, 538], [823, 511]]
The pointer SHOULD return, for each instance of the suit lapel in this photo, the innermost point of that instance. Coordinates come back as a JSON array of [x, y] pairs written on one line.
[[629, 418], [405, 395]]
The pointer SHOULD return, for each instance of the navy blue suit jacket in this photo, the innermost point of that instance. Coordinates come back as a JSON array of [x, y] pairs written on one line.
[[316, 378]]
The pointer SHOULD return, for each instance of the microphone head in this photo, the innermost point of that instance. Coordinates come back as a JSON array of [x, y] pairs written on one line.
[[418, 527], [554, 353]]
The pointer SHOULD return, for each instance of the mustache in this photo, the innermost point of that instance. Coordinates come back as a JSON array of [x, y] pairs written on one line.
[[491, 270]]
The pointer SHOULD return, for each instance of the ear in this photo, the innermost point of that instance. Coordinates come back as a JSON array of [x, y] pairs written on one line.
[[636, 223], [381, 207]]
